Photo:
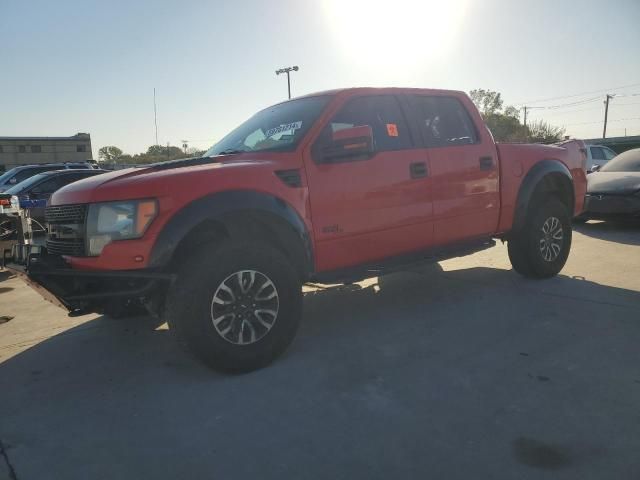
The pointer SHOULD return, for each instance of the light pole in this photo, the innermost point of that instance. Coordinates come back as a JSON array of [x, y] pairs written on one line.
[[288, 70]]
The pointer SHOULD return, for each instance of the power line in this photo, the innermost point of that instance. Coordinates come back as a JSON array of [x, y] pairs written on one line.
[[578, 94], [572, 104], [599, 121], [565, 112]]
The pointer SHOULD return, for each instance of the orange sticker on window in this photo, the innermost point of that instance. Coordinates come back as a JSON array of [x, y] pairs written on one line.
[[392, 129]]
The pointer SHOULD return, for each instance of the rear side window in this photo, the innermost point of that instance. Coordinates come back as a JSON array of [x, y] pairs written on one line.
[[597, 153], [384, 116], [444, 121]]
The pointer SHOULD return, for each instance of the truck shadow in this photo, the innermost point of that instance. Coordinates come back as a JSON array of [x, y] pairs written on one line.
[[465, 331], [625, 232]]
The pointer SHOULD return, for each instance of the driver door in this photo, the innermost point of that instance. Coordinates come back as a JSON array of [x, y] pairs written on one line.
[[368, 209]]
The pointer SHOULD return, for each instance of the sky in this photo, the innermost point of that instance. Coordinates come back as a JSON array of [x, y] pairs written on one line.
[[91, 66]]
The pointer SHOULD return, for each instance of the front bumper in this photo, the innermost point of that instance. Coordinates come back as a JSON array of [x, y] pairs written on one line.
[[611, 206], [82, 291]]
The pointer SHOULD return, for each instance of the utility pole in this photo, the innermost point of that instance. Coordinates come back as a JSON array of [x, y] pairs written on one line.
[[168, 155], [155, 113], [606, 114], [288, 70], [525, 116]]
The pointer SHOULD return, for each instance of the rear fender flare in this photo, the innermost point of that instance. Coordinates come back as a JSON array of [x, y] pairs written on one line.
[[545, 169]]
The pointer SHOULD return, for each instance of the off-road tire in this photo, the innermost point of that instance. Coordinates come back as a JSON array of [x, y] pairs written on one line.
[[191, 302], [527, 248]]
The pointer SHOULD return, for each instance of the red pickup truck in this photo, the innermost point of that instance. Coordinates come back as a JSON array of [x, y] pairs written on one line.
[[331, 187]]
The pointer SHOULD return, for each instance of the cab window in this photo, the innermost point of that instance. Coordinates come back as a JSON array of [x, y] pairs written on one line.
[[381, 112], [444, 121]]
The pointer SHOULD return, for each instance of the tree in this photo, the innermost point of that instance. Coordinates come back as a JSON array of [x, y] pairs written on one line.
[[506, 128], [160, 150], [504, 123], [542, 132], [487, 101], [109, 154], [194, 152]]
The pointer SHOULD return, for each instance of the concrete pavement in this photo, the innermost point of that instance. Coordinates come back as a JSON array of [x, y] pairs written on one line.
[[463, 370]]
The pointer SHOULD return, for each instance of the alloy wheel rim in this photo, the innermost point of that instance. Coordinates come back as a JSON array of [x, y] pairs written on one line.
[[550, 243], [245, 307]]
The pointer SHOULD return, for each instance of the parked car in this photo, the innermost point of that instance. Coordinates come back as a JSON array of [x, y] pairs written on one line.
[[33, 193], [598, 156], [614, 190], [18, 174], [333, 187]]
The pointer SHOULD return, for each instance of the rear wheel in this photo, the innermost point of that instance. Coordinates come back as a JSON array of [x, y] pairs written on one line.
[[541, 249], [236, 308]]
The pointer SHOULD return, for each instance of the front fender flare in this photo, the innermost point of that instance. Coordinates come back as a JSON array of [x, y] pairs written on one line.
[[214, 207]]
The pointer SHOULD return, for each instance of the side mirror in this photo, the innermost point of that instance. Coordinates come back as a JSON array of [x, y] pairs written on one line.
[[595, 168], [349, 143]]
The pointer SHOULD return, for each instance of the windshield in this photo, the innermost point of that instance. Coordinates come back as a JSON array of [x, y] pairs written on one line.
[[25, 184], [7, 175], [277, 128], [628, 161]]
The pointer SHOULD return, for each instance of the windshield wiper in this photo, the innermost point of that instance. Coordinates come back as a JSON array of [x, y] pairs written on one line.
[[231, 151]]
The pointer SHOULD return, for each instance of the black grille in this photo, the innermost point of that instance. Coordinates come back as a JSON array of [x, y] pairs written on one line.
[[65, 214], [74, 248], [65, 230]]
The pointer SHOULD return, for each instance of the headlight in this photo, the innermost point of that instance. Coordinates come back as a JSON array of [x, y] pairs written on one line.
[[111, 221]]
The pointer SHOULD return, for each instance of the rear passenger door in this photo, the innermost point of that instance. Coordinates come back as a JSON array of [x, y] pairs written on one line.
[[463, 167], [370, 208]]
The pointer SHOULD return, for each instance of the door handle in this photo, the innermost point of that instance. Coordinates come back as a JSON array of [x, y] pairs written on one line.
[[418, 170], [486, 163]]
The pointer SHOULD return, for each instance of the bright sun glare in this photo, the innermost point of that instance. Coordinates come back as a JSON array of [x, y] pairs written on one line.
[[394, 33]]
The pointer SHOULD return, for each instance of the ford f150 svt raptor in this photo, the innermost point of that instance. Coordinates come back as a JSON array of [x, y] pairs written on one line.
[[331, 187]]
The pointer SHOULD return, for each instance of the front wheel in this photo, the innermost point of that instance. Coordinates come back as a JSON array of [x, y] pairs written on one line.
[[237, 307], [541, 249]]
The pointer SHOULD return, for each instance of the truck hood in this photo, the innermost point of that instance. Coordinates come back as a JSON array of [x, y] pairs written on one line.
[[613, 183], [154, 180]]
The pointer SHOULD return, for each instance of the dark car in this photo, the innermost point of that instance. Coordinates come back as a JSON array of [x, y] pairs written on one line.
[[18, 174], [33, 193], [614, 191]]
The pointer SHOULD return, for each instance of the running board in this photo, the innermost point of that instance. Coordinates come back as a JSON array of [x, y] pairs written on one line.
[[402, 262]]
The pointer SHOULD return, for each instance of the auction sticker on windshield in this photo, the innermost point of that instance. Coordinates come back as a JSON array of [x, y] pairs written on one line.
[[284, 128]]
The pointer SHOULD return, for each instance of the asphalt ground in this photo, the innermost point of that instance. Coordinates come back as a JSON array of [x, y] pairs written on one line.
[[459, 370]]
